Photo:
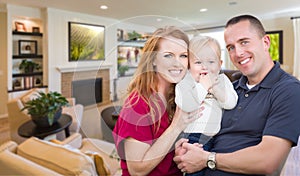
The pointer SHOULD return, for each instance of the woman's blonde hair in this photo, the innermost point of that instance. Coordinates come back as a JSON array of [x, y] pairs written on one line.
[[145, 82]]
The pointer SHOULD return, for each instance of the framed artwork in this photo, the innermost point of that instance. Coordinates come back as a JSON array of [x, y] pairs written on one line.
[[276, 46], [37, 81], [86, 42], [17, 83], [20, 27], [35, 29], [120, 34], [27, 47]]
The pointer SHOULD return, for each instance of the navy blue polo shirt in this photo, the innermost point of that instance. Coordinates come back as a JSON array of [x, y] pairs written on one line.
[[270, 108]]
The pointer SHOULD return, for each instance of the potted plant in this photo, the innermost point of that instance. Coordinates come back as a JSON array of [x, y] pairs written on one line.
[[134, 35], [122, 69], [28, 66], [46, 108]]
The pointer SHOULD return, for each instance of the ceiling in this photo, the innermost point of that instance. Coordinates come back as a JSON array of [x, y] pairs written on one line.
[[183, 13]]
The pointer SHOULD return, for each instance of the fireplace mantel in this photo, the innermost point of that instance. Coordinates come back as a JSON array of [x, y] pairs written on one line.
[[65, 69]]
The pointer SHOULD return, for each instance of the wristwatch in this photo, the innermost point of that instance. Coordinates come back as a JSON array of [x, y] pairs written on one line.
[[211, 161]]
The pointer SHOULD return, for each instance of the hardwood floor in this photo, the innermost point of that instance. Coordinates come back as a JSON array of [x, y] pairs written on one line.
[[4, 130]]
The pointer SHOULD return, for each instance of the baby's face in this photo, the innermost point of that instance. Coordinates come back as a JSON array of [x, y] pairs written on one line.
[[203, 62]]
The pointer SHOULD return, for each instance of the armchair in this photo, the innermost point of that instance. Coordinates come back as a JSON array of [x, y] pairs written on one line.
[[291, 166], [16, 117], [69, 157]]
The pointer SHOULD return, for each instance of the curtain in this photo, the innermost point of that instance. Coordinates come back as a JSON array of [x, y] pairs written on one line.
[[296, 25]]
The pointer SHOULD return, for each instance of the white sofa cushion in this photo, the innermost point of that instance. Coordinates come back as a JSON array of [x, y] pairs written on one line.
[[56, 157]]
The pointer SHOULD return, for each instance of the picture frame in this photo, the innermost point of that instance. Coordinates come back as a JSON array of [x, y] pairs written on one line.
[[37, 81], [20, 27], [35, 30], [86, 42], [27, 47], [120, 34], [276, 45], [18, 83]]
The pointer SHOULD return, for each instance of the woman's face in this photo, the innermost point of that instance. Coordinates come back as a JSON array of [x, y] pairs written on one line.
[[172, 60]]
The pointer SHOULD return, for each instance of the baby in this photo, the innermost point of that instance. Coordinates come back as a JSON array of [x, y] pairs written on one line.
[[204, 85]]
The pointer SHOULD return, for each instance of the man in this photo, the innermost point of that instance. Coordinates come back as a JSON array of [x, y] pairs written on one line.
[[256, 136]]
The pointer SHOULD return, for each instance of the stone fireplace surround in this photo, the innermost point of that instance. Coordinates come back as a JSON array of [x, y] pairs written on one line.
[[68, 75]]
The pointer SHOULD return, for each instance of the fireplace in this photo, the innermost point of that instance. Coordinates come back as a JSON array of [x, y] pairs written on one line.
[[87, 91], [70, 77]]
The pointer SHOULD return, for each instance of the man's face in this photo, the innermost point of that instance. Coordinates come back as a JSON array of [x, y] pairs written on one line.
[[247, 51]]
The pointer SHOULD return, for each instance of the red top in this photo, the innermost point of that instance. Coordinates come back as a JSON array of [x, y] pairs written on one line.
[[135, 122]]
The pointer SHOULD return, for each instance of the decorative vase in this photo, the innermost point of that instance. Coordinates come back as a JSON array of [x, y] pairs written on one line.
[[44, 122]]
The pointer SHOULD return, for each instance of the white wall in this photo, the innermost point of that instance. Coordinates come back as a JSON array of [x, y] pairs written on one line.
[[58, 43], [286, 25]]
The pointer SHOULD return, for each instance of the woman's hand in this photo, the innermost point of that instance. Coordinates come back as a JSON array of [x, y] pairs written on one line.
[[190, 157], [181, 118], [179, 150]]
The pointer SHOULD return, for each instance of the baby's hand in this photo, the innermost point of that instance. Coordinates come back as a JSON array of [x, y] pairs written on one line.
[[215, 85], [206, 81]]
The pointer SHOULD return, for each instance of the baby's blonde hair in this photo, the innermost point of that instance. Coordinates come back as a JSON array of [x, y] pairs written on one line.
[[199, 42]]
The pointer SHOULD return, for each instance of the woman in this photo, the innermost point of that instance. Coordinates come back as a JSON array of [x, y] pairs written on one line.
[[149, 122]]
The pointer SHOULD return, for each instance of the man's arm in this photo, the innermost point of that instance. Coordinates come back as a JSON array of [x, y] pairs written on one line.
[[264, 158]]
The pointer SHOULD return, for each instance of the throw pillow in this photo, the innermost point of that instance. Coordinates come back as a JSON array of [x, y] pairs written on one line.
[[98, 160], [56, 157], [99, 163], [30, 95]]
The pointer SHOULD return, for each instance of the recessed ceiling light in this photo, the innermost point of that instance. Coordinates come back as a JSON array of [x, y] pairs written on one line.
[[203, 10], [103, 7]]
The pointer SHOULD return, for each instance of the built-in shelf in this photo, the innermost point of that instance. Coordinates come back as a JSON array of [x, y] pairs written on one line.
[[18, 90], [26, 45], [26, 74], [33, 56], [27, 33], [131, 43]]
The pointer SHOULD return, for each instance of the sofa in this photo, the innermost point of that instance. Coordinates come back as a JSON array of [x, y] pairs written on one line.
[[16, 117], [232, 74], [73, 156]]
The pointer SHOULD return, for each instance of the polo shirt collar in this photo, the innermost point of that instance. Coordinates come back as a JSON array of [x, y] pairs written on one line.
[[270, 79]]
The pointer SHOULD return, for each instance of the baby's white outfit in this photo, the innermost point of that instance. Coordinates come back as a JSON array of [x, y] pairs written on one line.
[[190, 95]]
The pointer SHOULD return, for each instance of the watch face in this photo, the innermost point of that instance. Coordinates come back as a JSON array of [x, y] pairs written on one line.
[[211, 165]]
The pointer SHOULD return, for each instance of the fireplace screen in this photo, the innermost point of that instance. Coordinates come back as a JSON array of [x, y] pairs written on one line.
[[88, 91]]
